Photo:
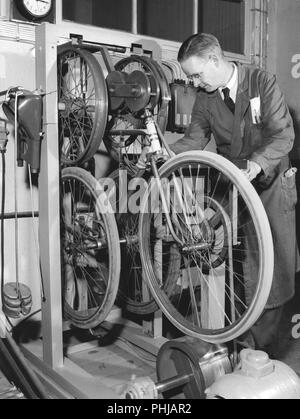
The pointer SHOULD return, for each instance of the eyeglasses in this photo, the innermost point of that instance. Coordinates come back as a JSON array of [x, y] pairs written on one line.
[[197, 76]]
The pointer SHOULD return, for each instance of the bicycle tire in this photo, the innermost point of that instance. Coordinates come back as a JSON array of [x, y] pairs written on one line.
[[265, 250], [131, 269], [98, 270], [85, 113]]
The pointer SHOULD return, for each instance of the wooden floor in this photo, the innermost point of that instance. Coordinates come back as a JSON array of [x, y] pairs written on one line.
[[118, 362], [115, 365]]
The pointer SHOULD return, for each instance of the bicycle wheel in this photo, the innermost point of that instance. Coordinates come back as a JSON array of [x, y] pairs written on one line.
[[90, 248], [134, 295], [83, 105], [222, 233], [117, 141]]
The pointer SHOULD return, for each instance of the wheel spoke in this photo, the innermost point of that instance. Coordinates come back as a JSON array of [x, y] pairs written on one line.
[[90, 271], [83, 99], [221, 284]]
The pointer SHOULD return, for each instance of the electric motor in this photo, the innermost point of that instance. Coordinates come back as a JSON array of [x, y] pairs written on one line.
[[257, 377]]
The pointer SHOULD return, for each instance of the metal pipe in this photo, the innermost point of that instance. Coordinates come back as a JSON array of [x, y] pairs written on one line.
[[195, 16], [58, 12], [12, 215], [125, 132], [134, 28], [173, 383]]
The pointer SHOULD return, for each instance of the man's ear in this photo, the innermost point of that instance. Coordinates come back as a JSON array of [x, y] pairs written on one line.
[[215, 59]]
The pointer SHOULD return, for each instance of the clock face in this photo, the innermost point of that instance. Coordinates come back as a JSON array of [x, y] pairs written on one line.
[[35, 9]]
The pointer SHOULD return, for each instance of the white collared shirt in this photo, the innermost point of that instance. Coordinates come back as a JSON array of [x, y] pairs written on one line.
[[232, 85]]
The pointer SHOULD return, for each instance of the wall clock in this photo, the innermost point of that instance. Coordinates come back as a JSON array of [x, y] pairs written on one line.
[[35, 10]]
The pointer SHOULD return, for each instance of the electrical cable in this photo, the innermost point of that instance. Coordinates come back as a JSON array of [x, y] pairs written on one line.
[[3, 151], [139, 352], [16, 199], [163, 140], [35, 237], [14, 360], [2, 222], [16, 363]]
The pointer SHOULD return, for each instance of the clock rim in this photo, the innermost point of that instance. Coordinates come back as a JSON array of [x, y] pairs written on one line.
[[20, 4]]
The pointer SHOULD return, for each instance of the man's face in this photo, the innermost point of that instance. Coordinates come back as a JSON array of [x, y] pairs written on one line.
[[203, 72]]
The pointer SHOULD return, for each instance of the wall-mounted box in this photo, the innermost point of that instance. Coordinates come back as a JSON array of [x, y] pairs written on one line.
[[183, 97]]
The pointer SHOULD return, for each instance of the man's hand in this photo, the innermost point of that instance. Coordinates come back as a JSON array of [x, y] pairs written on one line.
[[253, 170]]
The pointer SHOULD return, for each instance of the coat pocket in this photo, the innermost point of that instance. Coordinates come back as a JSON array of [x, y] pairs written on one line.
[[288, 183]]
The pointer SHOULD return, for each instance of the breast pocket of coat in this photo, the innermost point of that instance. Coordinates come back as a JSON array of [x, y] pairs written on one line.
[[289, 188]]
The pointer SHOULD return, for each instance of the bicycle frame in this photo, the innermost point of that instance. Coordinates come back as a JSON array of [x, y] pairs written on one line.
[[153, 153]]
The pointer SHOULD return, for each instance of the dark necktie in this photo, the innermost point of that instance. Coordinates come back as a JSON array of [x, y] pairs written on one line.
[[227, 99]]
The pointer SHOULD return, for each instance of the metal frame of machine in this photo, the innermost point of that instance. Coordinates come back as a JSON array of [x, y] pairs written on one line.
[[47, 355]]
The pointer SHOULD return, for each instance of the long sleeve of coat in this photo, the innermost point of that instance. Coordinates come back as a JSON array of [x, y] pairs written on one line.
[[277, 126], [198, 134]]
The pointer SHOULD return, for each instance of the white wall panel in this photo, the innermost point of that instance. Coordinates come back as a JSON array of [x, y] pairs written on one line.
[[17, 68]]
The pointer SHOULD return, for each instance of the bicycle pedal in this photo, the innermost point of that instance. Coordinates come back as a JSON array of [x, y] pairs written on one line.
[[17, 301]]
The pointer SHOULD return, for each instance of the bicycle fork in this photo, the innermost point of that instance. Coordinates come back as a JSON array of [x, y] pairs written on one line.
[[154, 153], [163, 200]]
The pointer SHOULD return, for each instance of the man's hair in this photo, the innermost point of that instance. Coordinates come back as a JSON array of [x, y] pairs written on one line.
[[200, 45]]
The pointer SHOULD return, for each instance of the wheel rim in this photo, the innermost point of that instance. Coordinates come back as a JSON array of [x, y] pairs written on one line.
[[220, 307], [133, 294], [90, 257], [83, 105]]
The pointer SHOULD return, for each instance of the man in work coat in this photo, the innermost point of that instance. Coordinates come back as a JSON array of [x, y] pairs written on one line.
[[245, 111]]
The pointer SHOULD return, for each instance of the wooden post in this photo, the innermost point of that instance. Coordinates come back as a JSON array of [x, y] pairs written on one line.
[[49, 209]]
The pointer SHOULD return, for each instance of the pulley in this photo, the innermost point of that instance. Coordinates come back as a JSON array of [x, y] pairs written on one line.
[[17, 300], [201, 361], [116, 83], [186, 367], [132, 89], [160, 91], [141, 91]]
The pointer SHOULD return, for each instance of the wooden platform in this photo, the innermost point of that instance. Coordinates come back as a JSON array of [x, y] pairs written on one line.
[[114, 362], [97, 367], [120, 352], [116, 366]]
